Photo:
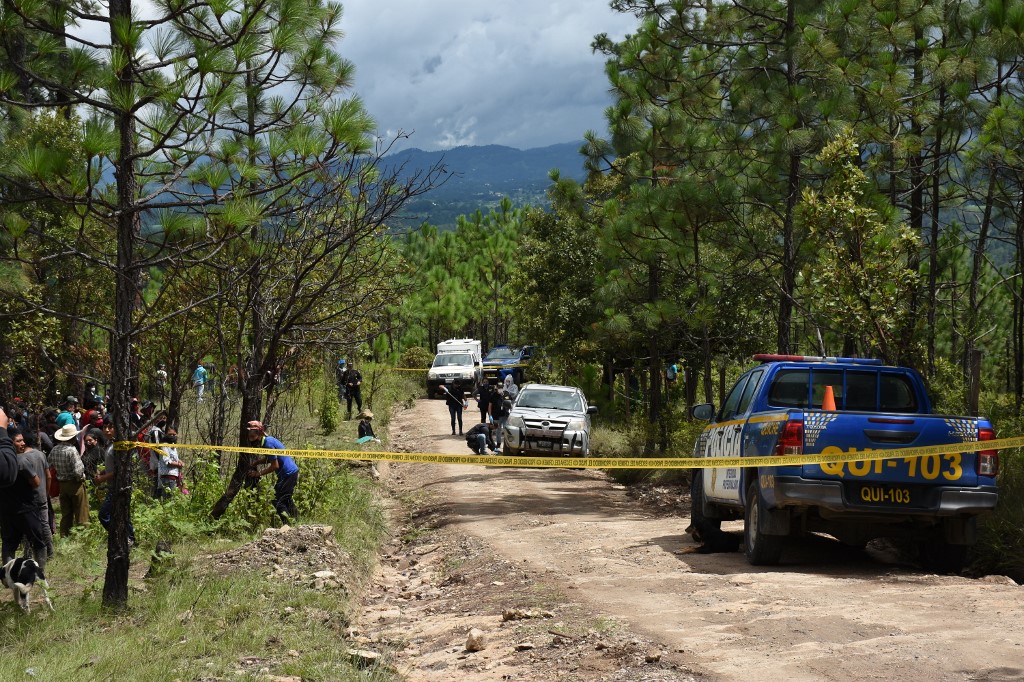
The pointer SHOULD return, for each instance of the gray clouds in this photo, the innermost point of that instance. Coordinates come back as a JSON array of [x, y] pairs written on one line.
[[454, 72]]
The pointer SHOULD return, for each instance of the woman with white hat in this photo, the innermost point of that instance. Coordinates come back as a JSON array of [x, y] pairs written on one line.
[[65, 458]]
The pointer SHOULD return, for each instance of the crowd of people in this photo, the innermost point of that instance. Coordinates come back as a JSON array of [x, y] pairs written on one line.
[[67, 454], [66, 457]]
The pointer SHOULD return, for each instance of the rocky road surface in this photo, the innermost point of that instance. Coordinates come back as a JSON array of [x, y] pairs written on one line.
[[562, 575]]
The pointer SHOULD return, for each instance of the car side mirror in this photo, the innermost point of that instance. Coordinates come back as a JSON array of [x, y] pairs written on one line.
[[704, 411], [592, 409]]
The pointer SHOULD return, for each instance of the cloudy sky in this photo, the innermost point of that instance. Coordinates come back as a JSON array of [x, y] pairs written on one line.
[[472, 72]]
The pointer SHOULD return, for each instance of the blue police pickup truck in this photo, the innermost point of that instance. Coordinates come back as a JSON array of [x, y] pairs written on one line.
[[776, 409]]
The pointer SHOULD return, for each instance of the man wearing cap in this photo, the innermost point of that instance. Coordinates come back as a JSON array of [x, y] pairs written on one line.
[[339, 379], [353, 388], [65, 458], [67, 415], [286, 468]]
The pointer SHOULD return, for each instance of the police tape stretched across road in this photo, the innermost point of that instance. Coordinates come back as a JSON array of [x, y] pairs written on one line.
[[614, 462]]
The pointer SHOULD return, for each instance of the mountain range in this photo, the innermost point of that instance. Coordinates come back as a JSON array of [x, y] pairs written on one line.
[[479, 176]]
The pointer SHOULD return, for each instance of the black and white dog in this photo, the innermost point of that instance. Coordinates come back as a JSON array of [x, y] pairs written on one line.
[[20, 575]]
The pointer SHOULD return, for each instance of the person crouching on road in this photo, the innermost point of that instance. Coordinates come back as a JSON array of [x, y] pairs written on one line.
[[481, 437], [456, 402], [286, 468]]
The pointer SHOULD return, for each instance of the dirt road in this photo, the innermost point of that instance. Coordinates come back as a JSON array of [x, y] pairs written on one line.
[[600, 586]]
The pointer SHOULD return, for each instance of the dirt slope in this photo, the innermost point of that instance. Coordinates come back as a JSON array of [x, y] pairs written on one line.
[[594, 585]]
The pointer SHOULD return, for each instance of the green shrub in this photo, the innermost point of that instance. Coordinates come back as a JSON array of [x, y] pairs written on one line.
[[1000, 547], [416, 357], [329, 412]]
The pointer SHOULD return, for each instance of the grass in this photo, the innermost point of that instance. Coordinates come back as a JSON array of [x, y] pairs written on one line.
[[188, 623]]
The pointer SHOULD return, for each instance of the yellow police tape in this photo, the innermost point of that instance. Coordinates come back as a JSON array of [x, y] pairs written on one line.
[[609, 463]]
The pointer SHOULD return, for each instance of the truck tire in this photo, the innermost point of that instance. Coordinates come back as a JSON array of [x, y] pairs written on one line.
[[760, 549], [701, 527]]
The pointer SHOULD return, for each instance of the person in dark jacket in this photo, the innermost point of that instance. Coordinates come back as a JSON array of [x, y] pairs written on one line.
[[353, 388], [481, 437], [456, 403], [8, 457], [339, 380], [483, 399], [365, 427]]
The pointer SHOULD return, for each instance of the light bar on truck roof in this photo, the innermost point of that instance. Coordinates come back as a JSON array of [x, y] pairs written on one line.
[[767, 357]]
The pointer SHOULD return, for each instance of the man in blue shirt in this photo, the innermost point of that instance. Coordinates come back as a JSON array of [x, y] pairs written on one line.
[[199, 378], [286, 468]]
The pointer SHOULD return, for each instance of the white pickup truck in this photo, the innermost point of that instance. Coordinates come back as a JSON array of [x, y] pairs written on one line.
[[456, 365]]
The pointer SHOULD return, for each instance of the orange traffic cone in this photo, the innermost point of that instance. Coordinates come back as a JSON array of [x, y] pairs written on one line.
[[829, 401]]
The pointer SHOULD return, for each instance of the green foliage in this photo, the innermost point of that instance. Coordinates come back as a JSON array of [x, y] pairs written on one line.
[[329, 411], [459, 282], [415, 357], [947, 388], [860, 283], [1000, 548]]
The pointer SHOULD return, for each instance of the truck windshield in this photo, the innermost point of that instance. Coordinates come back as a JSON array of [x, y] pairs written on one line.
[[453, 360], [502, 354], [555, 400]]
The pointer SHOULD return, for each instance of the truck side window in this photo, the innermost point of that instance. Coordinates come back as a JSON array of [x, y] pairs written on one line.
[[897, 394], [789, 389], [732, 402], [823, 378], [752, 383], [862, 391]]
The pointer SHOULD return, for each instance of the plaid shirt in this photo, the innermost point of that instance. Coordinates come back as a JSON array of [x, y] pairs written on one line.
[[65, 459]]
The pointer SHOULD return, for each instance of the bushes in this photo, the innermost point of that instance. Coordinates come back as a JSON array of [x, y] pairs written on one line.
[[416, 357], [329, 411]]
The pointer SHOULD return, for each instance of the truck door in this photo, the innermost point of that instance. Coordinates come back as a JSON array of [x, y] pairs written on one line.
[[725, 439]]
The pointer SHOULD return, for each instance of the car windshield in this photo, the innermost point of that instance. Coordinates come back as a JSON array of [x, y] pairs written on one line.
[[555, 400], [502, 354], [453, 360]]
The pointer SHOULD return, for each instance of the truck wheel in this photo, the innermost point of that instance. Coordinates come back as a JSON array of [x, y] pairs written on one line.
[[761, 549], [509, 451], [942, 557], [701, 527]]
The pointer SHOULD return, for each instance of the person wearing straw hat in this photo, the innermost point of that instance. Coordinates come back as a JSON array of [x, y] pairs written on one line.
[[286, 468], [365, 427], [65, 458]]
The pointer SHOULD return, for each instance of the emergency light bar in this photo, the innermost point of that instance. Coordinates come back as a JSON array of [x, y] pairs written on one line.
[[766, 357]]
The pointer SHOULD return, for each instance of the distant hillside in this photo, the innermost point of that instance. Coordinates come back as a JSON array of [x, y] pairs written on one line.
[[481, 176]]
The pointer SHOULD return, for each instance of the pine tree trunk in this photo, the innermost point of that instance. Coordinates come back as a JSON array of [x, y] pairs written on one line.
[[126, 290]]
